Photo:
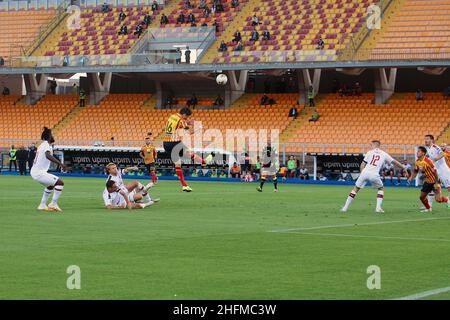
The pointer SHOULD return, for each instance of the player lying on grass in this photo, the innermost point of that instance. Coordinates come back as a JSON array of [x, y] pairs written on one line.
[[431, 180], [370, 172], [115, 174], [177, 125], [39, 172], [118, 198]]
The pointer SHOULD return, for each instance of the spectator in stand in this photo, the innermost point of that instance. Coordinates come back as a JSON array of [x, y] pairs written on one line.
[[187, 55], [12, 158], [147, 19], [315, 116], [123, 30], [239, 46], [180, 19], [235, 170], [155, 6], [255, 20], [22, 157], [213, 9], [206, 12], [5, 91], [446, 93], [219, 101], [292, 167], [164, 20], [217, 25], [405, 173], [105, 8], [264, 100], [223, 47], [336, 86], [178, 56], [219, 7], [303, 173], [311, 95], [419, 95], [234, 3], [202, 4], [192, 102], [31, 155], [204, 24], [254, 36], [266, 35], [293, 112], [2, 61], [138, 30], [388, 171], [237, 36], [191, 18], [82, 97], [122, 16], [320, 44], [187, 4], [357, 91]]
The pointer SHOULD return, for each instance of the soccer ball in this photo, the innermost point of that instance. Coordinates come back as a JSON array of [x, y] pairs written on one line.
[[222, 79]]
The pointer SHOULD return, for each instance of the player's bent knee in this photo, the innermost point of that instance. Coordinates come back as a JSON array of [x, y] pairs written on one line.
[[59, 183]]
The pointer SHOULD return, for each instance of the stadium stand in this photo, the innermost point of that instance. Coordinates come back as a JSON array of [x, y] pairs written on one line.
[[19, 29], [99, 32], [223, 19], [19, 121], [298, 25], [421, 30], [355, 120], [130, 116]]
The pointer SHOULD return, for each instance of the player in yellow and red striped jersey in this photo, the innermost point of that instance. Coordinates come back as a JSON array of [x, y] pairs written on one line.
[[177, 125], [431, 181], [148, 154]]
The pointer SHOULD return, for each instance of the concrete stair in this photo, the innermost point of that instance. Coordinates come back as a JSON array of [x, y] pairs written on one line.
[[247, 10], [61, 125]]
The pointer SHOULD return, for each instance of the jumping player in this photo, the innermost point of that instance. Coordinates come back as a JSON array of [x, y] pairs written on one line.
[[177, 125], [39, 172], [431, 181], [370, 172], [269, 167], [118, 198], [148, 153]]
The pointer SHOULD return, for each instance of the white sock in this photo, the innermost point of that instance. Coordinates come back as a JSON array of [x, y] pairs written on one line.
[[430, 198], [380, 197], [45, 196], [57, 193], [350, 198]]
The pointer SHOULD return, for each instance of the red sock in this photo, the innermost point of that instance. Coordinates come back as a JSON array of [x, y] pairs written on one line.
[[444, 199], [153, 175], [180, 175], [425, 203], [197, 158]]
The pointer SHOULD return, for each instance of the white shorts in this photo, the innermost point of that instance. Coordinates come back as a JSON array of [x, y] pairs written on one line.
[[118, 199], [444, 176], [367, 176], [45, 178]]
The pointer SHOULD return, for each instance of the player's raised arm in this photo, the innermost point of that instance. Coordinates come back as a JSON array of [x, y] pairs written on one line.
[[130, 169], [399, 164], [53, 159], [362, 165]]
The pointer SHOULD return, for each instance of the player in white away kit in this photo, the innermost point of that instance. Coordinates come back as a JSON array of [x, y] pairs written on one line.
[[39, 172], [436, 154], [135, 190], [370, 172], [118, 198]]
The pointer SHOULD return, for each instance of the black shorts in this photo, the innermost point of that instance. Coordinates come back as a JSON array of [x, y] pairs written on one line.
[[428, 187], [178, 146]]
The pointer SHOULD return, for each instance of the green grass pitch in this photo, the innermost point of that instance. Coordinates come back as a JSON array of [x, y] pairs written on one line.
[[216, 243]]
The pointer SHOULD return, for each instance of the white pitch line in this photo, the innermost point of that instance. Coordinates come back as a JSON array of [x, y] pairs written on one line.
[[369, 236], [357, 224], [424, 294]]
